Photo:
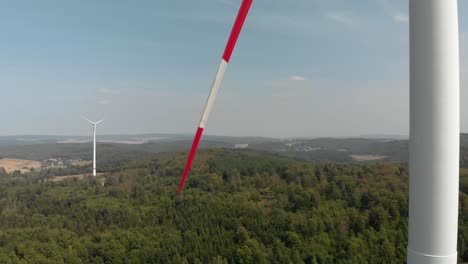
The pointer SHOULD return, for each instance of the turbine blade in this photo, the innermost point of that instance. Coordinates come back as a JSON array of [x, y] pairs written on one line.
[[241, 16], [99, 121], [87, 120], [196, 140]]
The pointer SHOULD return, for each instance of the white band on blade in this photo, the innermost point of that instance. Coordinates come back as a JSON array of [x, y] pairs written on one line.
[[213, 93]]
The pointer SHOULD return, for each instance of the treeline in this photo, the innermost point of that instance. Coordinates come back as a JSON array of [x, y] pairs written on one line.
[[237, 207]]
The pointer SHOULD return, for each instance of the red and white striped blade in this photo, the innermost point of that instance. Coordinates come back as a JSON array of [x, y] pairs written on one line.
[[241, 16]]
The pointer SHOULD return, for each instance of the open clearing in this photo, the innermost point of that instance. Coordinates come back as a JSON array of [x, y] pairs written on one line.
[[367, 157], [10, 165], [82, 163], [78, 176]]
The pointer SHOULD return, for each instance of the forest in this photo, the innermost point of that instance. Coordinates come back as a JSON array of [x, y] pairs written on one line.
[[238, 206]]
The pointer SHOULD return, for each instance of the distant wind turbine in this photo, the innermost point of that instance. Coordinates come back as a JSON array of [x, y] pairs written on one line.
[[94, 142], [241, 16]]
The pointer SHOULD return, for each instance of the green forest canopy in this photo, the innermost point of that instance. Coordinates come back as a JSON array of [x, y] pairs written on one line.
[[237, 207]]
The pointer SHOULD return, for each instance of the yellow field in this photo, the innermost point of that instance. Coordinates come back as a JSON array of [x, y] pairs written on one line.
[[11, 165], [367, 157]]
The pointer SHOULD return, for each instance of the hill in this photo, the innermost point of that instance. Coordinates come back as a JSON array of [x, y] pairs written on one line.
[[122, 148], [110, 153]]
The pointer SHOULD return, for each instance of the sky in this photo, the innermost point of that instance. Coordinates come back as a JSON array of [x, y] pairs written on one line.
[[301, 68]]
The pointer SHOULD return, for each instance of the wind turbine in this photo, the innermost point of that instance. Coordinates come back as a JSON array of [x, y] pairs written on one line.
[[241, 16], [434, 128], [94, 142]]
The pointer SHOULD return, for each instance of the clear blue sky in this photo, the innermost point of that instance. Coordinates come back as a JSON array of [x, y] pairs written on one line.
[[301, 68]]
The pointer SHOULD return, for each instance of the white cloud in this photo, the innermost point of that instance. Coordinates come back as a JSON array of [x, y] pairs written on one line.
[[290, 82], [281, 23], [297, 78], [104, 102], [340, 18], [107, 91], [401, 18], [397, 15], [105, 95]]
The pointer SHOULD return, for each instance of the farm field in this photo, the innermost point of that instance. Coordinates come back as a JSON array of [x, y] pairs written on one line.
[[11, 165]]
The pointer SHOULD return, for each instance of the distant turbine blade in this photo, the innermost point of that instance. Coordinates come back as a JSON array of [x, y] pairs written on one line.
[[88, 120], [99, 121], [241, 16]]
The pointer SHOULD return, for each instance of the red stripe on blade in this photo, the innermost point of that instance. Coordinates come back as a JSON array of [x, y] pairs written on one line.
[[243, 11], [196, 140]]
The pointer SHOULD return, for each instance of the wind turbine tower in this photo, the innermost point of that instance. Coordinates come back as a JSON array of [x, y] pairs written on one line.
[[434, 132], [94, 142]]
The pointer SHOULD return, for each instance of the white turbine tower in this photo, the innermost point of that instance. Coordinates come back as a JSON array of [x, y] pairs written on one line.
[[94, 142], [434, 132]]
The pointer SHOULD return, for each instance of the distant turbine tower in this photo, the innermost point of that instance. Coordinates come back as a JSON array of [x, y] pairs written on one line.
[[241, 16], [94, 142]]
